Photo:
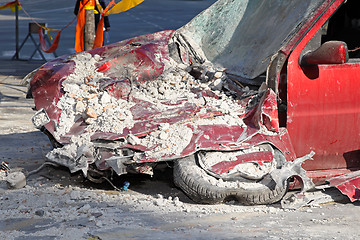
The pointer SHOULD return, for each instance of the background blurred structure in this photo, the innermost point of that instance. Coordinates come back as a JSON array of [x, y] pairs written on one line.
[[150, 16]]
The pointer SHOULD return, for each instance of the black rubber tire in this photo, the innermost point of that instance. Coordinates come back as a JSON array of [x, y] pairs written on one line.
[[187, 176]]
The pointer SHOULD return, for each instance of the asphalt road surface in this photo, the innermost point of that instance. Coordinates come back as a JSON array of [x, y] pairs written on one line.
[[148, 17]]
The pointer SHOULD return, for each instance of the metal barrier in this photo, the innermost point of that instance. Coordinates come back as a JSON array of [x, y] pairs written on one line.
[[34, 29]]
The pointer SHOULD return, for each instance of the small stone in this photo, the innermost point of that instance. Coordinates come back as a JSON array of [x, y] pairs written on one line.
[[91, 112], [16, 180], [159, 202], [163, 136], [133, 140], [152, 91], [90, 121], [105, 98], [177, 202], [99, 224], [49, 203], [85, 208], [97, 57], [40, 212], [75, 195], [79, 107], [161, 90], [218, 74], [217, 84]]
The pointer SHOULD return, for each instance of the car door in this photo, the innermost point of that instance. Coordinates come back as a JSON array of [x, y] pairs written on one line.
[[323, 108]]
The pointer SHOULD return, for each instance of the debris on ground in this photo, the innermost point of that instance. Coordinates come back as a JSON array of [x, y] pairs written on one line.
[[16, 180], [296, 201], [125, 186]]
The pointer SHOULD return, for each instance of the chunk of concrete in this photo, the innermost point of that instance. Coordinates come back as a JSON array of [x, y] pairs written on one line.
[[16, 180]]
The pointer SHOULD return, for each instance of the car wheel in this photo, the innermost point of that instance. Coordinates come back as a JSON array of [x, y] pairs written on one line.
[[203, 188]]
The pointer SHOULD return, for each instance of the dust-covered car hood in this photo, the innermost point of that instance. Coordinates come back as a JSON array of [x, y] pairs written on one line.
[[242, 35]]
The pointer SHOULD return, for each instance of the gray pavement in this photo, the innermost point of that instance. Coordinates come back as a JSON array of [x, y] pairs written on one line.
[[20, 143], [148, 17]]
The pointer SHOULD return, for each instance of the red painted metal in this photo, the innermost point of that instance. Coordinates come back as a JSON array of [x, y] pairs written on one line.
[[348, 184], [259, 157], [265, 113], [322, 101], [320, 177], [332, 52], [323, 114]]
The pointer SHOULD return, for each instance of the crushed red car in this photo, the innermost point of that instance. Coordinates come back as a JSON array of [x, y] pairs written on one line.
[[248, 99]]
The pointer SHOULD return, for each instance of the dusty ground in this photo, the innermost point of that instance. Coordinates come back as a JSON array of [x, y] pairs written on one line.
[[58, 205]]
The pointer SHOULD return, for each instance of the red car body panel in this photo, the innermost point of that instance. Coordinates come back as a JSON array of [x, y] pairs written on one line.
[[258, 157], [323, 114], [348, 184], [324, 100]]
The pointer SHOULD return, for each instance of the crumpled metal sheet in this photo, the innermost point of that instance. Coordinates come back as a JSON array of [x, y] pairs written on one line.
[[348, 184], [294, 169], [315, 198]]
